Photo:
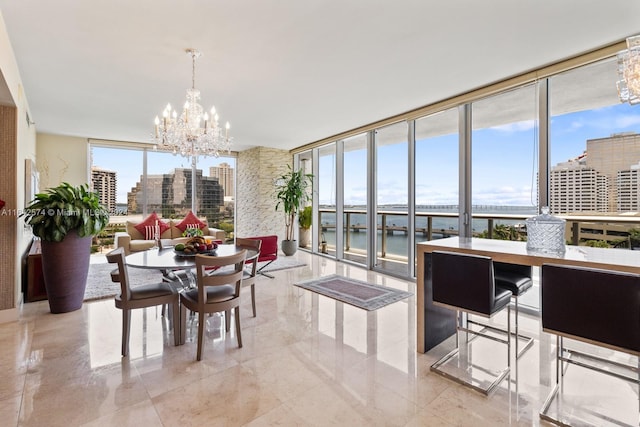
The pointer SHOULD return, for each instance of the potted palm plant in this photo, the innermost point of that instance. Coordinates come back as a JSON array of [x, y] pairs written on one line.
[[292, 192], [66, 218]]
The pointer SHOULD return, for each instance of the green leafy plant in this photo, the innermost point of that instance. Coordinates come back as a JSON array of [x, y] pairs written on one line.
[[292, 192], [192, 232], [634, 237], [597, 243], [63, 209], [305, 217]]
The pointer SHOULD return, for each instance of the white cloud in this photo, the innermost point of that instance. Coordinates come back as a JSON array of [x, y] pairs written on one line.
[[516, 127]]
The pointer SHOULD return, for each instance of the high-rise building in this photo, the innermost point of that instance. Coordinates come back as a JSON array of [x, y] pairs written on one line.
[[170, 195], [224, 173], [104, 182], [603, 179], [629, 189], [611, 155], [575, 187]]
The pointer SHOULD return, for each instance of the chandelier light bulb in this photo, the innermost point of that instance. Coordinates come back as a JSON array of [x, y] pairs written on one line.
[[156, 121]]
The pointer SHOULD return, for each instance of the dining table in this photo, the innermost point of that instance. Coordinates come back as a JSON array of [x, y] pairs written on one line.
[[176, 267], [166, 258], [171, 263]]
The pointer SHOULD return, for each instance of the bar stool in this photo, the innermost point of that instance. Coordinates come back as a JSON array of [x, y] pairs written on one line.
[[599, 307], [465, 283], [515, 278]]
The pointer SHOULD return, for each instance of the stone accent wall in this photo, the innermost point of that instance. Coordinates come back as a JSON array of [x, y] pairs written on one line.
[[258, 169], [8, 222]]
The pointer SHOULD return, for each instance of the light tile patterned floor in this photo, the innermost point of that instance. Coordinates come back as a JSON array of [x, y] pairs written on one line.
[[306, 360]]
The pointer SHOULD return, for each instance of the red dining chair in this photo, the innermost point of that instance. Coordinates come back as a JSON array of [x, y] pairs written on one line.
[[268, 252]]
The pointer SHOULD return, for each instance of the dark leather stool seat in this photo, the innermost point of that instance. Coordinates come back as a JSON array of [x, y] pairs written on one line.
[[465, 283], [513, 282], [516, 279], [598, 307]]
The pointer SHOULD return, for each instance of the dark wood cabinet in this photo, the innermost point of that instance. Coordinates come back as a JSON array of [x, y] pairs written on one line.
[[35, 279]]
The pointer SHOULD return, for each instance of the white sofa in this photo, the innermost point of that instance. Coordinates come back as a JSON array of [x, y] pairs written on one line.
[[133, 241]]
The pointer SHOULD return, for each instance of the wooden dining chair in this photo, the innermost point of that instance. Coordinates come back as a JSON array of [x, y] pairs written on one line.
[[142, 296], [219, 292], [251, 269]]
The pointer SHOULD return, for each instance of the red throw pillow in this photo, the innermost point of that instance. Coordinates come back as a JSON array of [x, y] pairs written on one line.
[[150, 221], [190, 221]]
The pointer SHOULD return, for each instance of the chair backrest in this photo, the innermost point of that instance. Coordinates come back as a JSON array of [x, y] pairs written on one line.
[[464, 281], [522, 270], [253, 245], [227, 276], [117, 256], [592, 305], [269, 249]]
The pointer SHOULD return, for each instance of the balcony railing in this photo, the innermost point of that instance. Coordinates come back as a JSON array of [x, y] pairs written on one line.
[[611, 229]]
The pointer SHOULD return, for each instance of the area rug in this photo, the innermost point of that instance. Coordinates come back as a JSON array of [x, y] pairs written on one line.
[[355, 292], [99, 284]]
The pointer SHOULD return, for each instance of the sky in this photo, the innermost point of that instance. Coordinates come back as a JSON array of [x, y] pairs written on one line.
[[504, 164], [504, 161]]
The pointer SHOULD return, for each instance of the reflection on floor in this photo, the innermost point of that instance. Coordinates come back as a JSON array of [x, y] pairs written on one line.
[[306, 360]]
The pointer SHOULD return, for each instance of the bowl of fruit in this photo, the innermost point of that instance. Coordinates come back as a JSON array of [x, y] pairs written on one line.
[[194, 246]]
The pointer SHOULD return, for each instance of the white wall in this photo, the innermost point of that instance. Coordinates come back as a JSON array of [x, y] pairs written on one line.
[[62, 159], [21, 148]]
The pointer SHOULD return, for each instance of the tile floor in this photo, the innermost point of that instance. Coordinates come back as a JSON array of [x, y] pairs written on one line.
[[306, 360]]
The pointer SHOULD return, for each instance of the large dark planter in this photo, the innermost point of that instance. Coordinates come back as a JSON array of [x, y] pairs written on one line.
[[65, 266], [289, 247]]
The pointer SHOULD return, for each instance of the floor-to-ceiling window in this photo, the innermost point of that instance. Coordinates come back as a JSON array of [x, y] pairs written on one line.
[[355, 186], [327, 196], [133, 182], [564, 140], [594, 151], [392, 197], [436, 181], [504, 162], [115, 172]]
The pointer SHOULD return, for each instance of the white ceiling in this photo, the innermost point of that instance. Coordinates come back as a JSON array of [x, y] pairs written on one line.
[[284, 72]]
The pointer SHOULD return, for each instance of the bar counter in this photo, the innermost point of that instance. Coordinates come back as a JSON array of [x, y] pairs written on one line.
[[435, 324]]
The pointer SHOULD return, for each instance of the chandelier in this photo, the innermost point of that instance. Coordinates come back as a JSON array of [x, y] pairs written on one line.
[[629, 72], [194, 132]]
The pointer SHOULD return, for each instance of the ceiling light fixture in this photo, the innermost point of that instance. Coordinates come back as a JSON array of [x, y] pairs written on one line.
[[629, 72], [194, 132]]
